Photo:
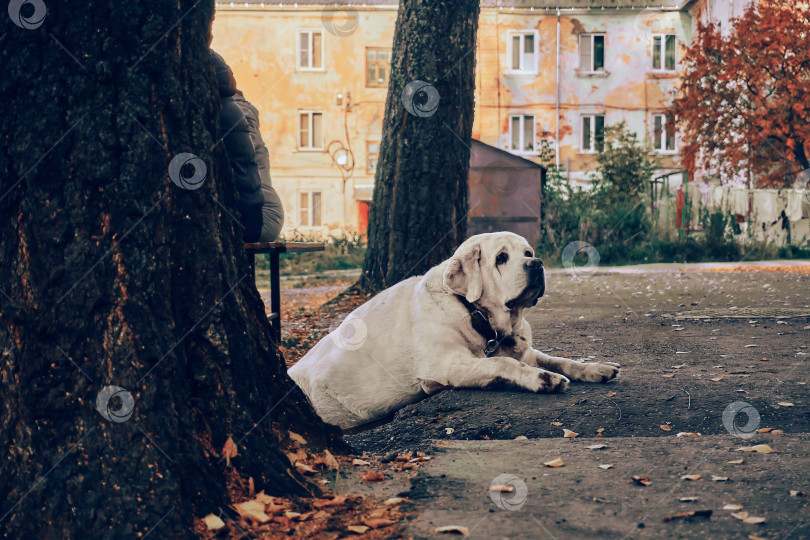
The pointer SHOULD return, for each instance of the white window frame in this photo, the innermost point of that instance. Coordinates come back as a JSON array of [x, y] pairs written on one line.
[[663, 42], [309, 31], [522, 143], [663, 136], [310, 220], [312, 147], [524, 69], [592, 116], [590, 69]]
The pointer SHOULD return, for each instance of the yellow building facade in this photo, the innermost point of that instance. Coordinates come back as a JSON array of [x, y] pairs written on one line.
[[318, 76]]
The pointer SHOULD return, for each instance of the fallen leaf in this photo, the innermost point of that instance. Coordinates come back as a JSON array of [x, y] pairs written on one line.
[[305, 468], [567, 433], [759, 448], [394, 500], [669, 376], [264, 498], [502, 488], [556, 462], [606, 466], [785, 404], [720, 378], [745, 518], [327, 503], [252, 509], [453, 529], [666, 427], [777, 432], [687, 434], [678, 367], [690, 477], [419, 459], [229, 451], [292, 515], [556, 423], [376, 523], [641, 480], [716, 478], [449, 430], [358, 529], [795, 493], [688, 499], [600, 430], [373, 476], [732, 507], [596, 447], [694, 513], [359, 462], [330, 460], [297, 438], [735, 461], [213, 522], [521, 438], [764, 430], [611, 394]]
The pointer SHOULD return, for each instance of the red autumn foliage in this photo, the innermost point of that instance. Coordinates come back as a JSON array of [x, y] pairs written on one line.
[[743, 100]]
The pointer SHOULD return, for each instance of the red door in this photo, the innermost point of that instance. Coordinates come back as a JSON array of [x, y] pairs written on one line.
[[362, 217]]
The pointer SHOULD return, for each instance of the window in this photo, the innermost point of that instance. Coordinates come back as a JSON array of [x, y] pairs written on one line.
[[372, 154], [663, 52], [593, 128], [310, 209], [378, 64], [591, 52], [310, 49], [522, 51], [663, 133], [310, 130], [521, 133]]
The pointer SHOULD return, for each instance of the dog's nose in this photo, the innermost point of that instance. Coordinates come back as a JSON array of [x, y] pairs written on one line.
[[534, 267]]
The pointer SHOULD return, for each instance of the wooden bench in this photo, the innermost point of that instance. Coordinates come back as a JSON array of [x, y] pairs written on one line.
[[275, 249]]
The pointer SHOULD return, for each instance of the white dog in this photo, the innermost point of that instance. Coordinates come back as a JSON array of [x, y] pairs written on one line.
[[460, 325]]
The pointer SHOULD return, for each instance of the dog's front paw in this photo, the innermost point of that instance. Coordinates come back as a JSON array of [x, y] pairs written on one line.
[[551, 382], [599, 371]]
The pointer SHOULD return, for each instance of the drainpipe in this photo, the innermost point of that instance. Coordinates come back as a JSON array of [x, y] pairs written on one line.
[[557, 98]]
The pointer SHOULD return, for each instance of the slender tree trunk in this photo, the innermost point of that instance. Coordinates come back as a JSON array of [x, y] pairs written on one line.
[[114, 276], [419, 212]]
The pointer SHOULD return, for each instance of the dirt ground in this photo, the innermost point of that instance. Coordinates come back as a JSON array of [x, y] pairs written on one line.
[[679, 375]]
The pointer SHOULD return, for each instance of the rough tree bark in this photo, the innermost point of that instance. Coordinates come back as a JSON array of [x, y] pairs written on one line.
[[112, 275], [418, 214]]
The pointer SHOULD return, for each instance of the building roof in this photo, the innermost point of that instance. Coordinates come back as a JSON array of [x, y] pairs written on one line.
[[517, 4]]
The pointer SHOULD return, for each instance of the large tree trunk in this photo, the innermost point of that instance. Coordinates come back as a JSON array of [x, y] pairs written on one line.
[[419, 212], [112, 275]]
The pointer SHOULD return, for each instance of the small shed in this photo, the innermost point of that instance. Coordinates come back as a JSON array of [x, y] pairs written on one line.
[[505, 193]]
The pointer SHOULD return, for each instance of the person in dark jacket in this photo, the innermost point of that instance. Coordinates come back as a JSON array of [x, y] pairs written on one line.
[[241, 153], [272, 211]]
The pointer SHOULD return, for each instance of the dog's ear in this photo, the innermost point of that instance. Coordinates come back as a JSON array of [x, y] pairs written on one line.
[[463, 273]]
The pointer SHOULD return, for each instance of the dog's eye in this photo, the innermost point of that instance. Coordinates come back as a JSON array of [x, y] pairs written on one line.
[[528, 253], [501, 259]]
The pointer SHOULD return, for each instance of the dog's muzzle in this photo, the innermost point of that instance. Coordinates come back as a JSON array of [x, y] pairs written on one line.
[[536, 287]]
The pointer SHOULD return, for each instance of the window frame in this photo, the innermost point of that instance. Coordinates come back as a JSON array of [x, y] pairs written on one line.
[[592, 35], [535, 64], [369, 153], [310, 113], [522, 130], [663, 40], [593, 148], [311, 32], [388, 71], [309, 198], [662, 139]]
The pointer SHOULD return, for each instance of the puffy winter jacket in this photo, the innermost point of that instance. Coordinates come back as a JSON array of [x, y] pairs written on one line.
[[239, 146], [272, 211]]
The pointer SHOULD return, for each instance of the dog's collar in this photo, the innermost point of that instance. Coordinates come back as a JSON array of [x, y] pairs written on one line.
[[480, 324]]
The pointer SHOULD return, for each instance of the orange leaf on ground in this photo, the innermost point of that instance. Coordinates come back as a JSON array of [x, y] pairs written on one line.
[[376, 523], [373, 476]]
